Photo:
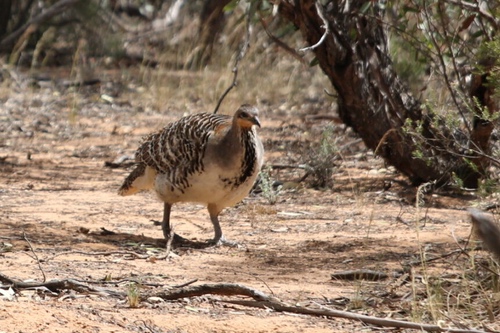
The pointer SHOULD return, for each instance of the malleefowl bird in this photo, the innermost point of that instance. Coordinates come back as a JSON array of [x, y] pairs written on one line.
[[212, 159]]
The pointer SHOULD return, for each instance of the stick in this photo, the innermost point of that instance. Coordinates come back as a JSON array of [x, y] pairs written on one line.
[[360, 274], [281, 44], [239, 57], [102, 253], [223, 289], [36, 256], [58, 285]]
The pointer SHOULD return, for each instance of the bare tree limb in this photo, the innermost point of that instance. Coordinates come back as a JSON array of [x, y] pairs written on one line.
[[58, 285], [325, 25], [241, 54], [52, 11], [222, 289]]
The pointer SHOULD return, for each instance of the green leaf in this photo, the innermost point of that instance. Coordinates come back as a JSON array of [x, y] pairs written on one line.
[[364, 9], [314, 62], [231, 6]]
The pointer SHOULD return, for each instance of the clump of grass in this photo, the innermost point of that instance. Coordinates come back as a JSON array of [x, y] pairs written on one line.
[[133, 295], [321, 161]]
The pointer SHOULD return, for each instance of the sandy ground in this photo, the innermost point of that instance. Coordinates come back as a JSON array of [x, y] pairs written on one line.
[[57, 197]]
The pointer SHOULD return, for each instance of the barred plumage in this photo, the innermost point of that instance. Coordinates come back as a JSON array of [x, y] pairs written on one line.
[[205, 158]]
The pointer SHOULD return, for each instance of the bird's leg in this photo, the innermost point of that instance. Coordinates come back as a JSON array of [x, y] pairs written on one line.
[[219, 238], [165, 223], [168, 231]]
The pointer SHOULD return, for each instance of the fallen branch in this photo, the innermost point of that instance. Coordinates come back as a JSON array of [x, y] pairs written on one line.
[[222, 289], [325, 312], [101, 253], [262, 300], [359, 274], [59, 285]]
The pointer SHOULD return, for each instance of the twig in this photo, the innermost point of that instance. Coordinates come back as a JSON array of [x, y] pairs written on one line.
[[427, 260], [103, 253], [463, 250], [148, 326], [36, 256], [281, 44], [239, 57], [325, 25], [185, 284]]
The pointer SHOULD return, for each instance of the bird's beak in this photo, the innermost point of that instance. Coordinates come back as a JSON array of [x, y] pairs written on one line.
[[256, 121]]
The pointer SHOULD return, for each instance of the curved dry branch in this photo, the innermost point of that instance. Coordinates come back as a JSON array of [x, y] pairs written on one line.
[[260, 300], [58, 285], [222, 289]]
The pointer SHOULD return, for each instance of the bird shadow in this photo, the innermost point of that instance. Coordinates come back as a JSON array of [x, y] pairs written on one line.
[[132, 240]]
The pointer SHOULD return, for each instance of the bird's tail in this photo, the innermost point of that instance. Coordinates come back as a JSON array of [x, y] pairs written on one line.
[[141, 178]]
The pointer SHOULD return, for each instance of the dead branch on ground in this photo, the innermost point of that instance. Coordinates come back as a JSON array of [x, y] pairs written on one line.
[[360, 274], [326, 312], [260, 300], [59, 285]]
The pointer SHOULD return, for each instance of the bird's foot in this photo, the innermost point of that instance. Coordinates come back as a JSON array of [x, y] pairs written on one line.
[[222, 241], [177, 238]]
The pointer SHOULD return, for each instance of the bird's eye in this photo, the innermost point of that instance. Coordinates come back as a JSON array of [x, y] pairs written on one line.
[[244, 115]]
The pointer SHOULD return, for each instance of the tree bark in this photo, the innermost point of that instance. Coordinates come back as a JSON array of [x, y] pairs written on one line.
[[371, 98], [211, 23], [5, 9], [8, 41]]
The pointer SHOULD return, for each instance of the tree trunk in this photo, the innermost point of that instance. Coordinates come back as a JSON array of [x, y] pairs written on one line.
[[211, 23], [371, 98], [5, 9]]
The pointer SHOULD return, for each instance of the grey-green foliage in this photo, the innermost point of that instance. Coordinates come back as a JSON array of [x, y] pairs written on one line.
[[269, 192], [133, 294], [321, 160]]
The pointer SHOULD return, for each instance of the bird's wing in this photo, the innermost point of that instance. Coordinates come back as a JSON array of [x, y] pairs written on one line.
[[178, 149]]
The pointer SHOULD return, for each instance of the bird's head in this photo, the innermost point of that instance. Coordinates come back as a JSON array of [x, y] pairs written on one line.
[[247, 116]]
